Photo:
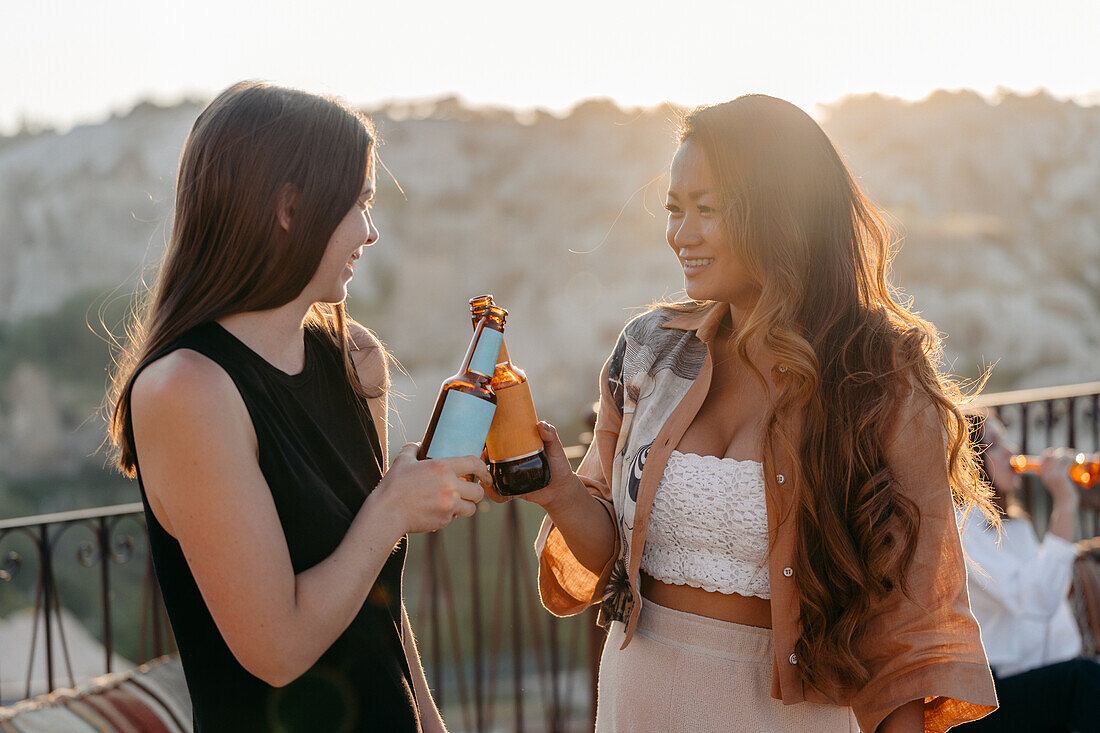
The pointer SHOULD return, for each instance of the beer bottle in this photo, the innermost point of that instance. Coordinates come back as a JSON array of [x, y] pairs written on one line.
[[517, 459], [1083, 471], [466, 403]]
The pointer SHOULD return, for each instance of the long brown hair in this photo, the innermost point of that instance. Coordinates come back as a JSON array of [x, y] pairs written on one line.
[[853, 352], [227, 253]]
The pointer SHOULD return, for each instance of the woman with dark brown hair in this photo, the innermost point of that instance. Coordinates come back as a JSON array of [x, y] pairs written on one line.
[[252, 411], [765, 515]]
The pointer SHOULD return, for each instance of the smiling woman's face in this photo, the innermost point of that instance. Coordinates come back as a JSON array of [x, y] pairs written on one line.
[[697, 232], [345, 246]]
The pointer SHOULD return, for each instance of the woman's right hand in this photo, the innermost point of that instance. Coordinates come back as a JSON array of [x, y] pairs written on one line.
[[563, 482], [427, 495]]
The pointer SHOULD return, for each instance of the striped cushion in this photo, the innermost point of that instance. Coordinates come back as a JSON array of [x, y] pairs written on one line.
[[150, 699]]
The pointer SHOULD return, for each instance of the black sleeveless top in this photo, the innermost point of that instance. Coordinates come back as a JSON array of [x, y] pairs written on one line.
[[320, 454]]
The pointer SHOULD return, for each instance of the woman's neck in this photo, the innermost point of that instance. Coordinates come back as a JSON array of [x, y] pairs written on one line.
[[277, 335], [756, 352]]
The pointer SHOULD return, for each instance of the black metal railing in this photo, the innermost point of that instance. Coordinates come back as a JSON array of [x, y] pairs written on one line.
[[1036, 419], [494, 658], [97, 539]]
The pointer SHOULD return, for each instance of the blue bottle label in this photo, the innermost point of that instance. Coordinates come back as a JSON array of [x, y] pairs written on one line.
[[462, 426], [484, 360]]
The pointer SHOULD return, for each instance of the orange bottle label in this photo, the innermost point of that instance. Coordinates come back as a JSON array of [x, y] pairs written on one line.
[[514, 432]]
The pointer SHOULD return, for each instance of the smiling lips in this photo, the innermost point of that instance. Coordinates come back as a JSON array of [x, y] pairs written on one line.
[[354, 256], [693, 263]]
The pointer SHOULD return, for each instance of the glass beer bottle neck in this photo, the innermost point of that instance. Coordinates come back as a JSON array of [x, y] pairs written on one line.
[[471, 384], [481, 357], [507, 375]]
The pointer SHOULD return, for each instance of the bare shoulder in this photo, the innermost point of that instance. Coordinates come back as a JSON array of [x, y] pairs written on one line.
[[370, 357], [185, 385]]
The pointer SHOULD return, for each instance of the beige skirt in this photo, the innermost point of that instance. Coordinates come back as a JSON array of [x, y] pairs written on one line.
[[683, 672]]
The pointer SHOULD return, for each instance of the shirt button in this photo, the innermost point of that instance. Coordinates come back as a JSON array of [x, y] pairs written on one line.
[[788, 572], [793, 659], [780, 478]]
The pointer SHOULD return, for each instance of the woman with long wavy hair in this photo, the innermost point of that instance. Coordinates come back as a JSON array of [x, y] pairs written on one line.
[[252, 411], [765, 514]]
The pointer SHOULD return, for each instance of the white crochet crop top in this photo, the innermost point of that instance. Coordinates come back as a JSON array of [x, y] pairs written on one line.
[[708, 527]]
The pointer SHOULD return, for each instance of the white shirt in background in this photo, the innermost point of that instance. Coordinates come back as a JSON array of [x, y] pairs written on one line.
[[1019, 594]]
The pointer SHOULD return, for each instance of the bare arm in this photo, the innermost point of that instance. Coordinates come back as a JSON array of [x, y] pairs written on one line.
[[200, 471], [576, 559], [1063, 493], [583, 521]]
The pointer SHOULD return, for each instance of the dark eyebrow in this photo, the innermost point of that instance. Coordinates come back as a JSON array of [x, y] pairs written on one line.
[[693, 196]]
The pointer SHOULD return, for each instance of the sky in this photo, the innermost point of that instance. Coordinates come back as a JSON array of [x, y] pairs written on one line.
[[64, 62]]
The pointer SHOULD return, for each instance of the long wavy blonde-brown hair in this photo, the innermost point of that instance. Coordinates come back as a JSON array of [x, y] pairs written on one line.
[[227, 254], [853, 351]]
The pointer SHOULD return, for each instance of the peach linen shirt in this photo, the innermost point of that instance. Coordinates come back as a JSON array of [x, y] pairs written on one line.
[[922, 646]]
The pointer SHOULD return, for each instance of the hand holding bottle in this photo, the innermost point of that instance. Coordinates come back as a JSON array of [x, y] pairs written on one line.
[[583, 520], [1056, 463], [426, 495], [564, 486]]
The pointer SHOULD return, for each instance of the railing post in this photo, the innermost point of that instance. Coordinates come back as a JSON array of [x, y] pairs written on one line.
[[8, 568], [46, 558], [433, 611], [595, 638], [555, 699], [1096, 421], [1071, 434], [475, 608], [1025, 432], [517, 618], [105, 586]]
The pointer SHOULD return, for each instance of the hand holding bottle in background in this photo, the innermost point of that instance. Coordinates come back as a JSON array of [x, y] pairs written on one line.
[[1056, 469], [1081, 469]]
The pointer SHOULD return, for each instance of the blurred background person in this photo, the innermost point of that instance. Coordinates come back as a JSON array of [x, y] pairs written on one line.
[[1019, 594]]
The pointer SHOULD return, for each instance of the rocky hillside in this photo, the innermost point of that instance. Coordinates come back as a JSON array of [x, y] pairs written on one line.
[[561, 219]]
